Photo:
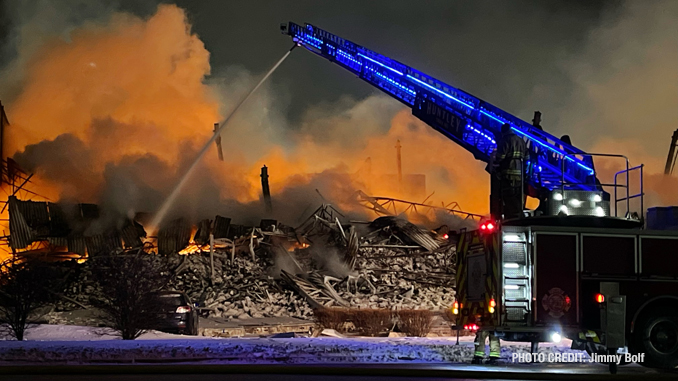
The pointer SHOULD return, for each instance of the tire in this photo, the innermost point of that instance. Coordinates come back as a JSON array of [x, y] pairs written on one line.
[[657, 337]]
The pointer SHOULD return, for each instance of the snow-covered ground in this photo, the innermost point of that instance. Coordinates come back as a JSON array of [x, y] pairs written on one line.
[[77, 344]]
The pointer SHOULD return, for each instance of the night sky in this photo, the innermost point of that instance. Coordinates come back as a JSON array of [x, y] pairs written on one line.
[[500, 51], [603, 72]]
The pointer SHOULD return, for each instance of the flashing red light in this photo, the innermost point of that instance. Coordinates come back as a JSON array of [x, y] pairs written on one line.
[[600, 298], [446, 236], [487, 226], [493, 303]]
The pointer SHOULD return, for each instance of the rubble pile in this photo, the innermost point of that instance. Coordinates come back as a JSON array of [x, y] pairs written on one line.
[[276, 271], [243, 289], [406, 280]]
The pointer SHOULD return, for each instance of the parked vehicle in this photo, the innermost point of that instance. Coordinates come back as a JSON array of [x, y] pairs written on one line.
[[177, 314]]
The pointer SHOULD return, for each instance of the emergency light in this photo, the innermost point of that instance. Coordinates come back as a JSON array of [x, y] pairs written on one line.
[[487, 226]]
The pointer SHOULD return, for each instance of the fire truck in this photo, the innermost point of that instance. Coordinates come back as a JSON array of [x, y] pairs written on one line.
[[573, 269], [608, 286]]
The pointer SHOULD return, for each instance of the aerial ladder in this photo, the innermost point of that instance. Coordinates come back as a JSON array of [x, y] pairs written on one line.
[[554, 165]]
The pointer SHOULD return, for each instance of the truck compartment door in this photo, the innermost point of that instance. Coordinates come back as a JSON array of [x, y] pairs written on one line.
[[556, 278]]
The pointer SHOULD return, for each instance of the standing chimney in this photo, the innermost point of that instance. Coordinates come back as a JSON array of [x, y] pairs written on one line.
[[400, 164], [3, 122], [218, 141], [266, 189]]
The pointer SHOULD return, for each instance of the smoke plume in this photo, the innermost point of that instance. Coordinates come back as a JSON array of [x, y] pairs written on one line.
[[111, 108]]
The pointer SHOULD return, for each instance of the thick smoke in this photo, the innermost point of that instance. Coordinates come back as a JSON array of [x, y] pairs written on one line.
[[111, 108], [625, 97]]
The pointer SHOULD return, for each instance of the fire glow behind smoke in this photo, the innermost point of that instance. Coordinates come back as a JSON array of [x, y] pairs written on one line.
[[116, 112], [116, 115]]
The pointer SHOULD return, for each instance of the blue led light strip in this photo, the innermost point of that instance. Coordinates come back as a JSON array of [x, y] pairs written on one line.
[[394, 86], [441, 92], [493, 117], [410, 91], [380, 64], [349, 57], [591, 171], [309, 42], [481, 133]]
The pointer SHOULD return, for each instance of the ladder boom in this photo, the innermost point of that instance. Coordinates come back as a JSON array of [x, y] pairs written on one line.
[[469, 121]]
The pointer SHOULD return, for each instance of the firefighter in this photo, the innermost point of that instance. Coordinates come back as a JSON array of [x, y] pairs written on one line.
[[510, 159], [495, 348], [536, 122]]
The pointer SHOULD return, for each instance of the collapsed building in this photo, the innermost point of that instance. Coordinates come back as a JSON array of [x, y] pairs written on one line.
[[37, 226], [270, 270]]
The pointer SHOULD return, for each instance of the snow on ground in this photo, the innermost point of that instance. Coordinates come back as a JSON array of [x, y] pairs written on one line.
[[77, 345]]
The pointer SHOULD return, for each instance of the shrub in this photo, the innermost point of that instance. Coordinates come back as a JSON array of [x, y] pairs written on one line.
[[128, 285], [25, 287], [415, 322], [371, 322], [330, 318]]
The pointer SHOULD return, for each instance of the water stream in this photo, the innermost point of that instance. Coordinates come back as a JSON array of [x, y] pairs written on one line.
[[164, 209]]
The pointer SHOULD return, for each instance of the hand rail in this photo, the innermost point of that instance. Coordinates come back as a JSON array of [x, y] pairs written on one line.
[[562, 182], [628, 198]]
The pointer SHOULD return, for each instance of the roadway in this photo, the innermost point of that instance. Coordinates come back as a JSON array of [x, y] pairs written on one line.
[[355, 372]]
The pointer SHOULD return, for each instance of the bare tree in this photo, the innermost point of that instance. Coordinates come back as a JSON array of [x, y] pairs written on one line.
[[128, 283], [24, 288]]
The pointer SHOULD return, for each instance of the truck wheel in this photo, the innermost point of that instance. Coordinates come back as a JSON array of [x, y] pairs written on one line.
[[657, 337]]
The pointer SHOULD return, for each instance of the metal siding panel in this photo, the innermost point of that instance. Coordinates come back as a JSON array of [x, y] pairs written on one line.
[[130, 235], [174, 237], [76, 244], [20, 233], [221, 227]]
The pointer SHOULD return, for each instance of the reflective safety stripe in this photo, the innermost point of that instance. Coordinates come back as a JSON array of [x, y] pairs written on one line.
[[495, 354], [479, 354]]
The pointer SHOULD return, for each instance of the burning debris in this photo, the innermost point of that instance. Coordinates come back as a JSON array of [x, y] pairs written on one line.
[[272, 270]]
